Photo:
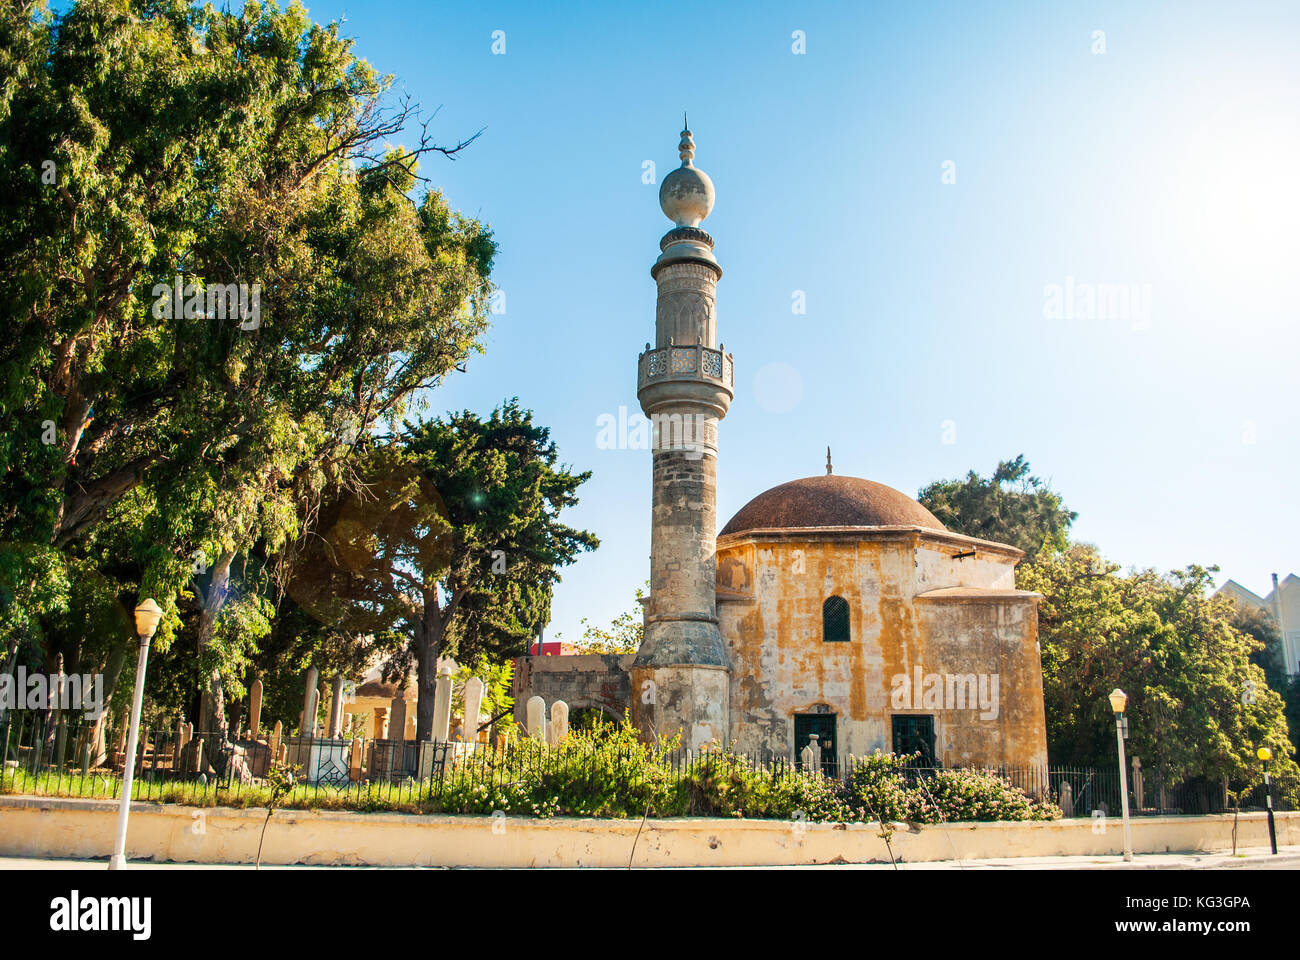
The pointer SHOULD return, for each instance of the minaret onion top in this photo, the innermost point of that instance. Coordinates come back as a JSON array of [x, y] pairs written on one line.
[[686, 194]]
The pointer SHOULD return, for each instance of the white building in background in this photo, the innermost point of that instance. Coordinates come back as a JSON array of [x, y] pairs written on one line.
[[1283, 602]]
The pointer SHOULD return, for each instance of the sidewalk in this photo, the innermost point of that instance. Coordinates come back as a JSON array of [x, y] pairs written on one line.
[[1249, 858], [1246, 858]]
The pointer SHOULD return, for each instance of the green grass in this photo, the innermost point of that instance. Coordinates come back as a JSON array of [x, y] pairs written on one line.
[[372, 798]]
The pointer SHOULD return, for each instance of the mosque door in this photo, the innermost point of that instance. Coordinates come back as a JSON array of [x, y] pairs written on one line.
[[912, 734], [822, 724]]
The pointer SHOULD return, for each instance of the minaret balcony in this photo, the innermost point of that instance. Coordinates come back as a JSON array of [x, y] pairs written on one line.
[[694, 362]]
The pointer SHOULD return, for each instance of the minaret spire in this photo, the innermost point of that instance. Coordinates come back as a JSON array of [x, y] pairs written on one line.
[[686, 148], [828, 461]]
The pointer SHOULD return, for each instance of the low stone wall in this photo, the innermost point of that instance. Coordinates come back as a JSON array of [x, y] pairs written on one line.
[[40, 827], [588, 680]]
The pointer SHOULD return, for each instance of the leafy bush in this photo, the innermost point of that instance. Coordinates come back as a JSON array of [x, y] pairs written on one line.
[[884, 785], [978, 795], [726, 785], [818, 798], [880, 785]]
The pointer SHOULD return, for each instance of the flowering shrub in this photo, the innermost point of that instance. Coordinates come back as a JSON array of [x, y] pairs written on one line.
[[880, 786], [818, 799], [978, 795], [890, 791], [720, 783]]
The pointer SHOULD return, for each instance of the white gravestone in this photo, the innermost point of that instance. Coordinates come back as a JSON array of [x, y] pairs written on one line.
[[473, 698]]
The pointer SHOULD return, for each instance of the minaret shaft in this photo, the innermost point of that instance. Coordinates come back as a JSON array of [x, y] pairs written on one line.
[[685, 408]]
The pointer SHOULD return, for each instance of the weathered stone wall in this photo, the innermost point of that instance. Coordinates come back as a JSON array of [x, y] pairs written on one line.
[[680, 617], [679, 681], [996, 638], [688, 700], [935, 567], [588, 680], [686, 306], [771, 591]]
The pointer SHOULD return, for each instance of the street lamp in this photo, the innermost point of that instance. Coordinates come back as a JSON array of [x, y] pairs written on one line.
[[147, 616], [1265, 754], [1118, 701]]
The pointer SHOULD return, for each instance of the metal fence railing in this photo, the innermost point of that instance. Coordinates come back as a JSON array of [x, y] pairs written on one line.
[[1082, 791], [61, 755]]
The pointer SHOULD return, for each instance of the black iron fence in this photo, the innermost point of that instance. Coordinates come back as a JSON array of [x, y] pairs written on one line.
[[67, 755], [1086, 791]]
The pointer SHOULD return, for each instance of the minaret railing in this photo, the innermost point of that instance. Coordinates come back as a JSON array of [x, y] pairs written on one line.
[[688, 362]]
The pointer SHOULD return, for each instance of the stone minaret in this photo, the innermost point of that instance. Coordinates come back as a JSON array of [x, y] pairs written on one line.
[[684, 384]]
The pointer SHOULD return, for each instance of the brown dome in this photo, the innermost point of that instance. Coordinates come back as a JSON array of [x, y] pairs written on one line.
[[831, 501]]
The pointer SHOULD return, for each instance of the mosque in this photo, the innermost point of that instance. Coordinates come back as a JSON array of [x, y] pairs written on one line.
[[829, 606]]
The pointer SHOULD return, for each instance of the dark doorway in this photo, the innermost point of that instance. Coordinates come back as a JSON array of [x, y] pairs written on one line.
[[914, 734], [587, 719], [822, 724]]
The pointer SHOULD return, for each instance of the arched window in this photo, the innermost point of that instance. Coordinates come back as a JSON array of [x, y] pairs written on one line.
[[835, 620]]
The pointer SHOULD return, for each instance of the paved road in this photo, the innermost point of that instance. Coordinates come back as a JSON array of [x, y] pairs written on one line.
[[1251, 858]]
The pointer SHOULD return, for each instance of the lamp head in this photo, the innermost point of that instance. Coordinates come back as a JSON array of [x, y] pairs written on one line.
[[1118, 700], [147, 617], [1264, 753]]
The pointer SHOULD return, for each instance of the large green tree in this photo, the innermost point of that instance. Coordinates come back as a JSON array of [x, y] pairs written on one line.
[[1011, 506], [151, 150], [454, 538], [1198, 705]]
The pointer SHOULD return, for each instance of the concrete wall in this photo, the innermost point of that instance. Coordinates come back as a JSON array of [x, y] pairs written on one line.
[[686, 701], [39, 827], [935, 567], [771, 588], [587, 680]]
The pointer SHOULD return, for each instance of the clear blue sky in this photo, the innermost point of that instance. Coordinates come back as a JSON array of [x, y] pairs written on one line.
[[1168, 162]]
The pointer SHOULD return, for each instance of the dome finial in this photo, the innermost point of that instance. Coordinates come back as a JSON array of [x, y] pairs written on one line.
[[828, 461], [686, 194]]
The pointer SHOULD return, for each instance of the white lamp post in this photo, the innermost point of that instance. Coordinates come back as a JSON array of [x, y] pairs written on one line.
[[1118, 701], [147, 616]]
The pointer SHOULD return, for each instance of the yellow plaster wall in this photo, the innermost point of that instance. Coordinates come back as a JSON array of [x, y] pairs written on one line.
[[771, 590]]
